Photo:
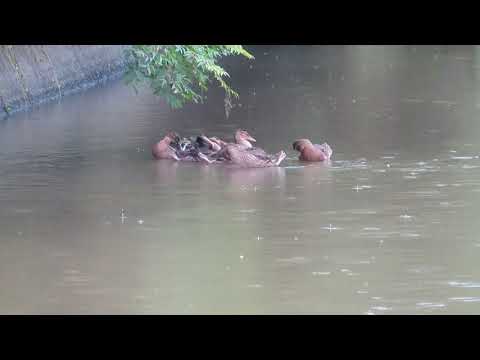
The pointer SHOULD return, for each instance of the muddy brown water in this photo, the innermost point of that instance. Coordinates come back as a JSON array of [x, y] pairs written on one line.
[[389, 227]]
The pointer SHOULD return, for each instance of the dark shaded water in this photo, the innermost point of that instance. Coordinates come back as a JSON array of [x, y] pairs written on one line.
[[389, 227]]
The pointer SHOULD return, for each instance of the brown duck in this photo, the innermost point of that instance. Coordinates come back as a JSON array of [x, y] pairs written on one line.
[[242, 138], [243, 154], [166, 148], [248, 159], [175, 148], [312, 152]]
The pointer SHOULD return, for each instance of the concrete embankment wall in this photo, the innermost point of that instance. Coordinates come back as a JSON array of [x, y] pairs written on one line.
[[32, 74]]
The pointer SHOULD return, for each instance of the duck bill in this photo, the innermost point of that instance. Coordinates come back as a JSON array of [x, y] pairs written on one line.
[[249, 138]]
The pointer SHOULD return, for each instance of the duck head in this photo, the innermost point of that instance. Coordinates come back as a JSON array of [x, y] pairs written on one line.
[[171, 137], [242, 137], [301, 144]]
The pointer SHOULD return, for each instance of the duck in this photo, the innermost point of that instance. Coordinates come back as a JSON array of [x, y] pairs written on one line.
[[312, 152], [191, 150], [243, 140], [243, 154], [207, 145], [212, 149], [167, 147], [214, 143], [241, 157]]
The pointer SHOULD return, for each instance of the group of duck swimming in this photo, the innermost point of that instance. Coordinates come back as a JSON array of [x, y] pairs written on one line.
[[240, 153]]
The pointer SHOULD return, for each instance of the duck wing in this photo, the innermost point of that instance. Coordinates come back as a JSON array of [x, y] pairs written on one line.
[[245, 158], [258, 152], [172, 153], [325, 149]]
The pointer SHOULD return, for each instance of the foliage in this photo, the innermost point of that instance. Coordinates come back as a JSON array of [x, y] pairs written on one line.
[[180, 73]]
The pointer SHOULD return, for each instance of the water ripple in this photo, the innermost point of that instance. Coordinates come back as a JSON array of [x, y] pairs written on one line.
[[464, 284]]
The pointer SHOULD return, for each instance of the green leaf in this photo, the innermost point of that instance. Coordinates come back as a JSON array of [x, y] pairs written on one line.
[[179, 72]]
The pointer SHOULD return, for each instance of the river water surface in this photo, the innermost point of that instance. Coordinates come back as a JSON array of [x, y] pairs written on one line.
[[390, 226]]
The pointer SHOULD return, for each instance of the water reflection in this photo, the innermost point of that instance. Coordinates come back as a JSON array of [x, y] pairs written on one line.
[[255, 179]]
